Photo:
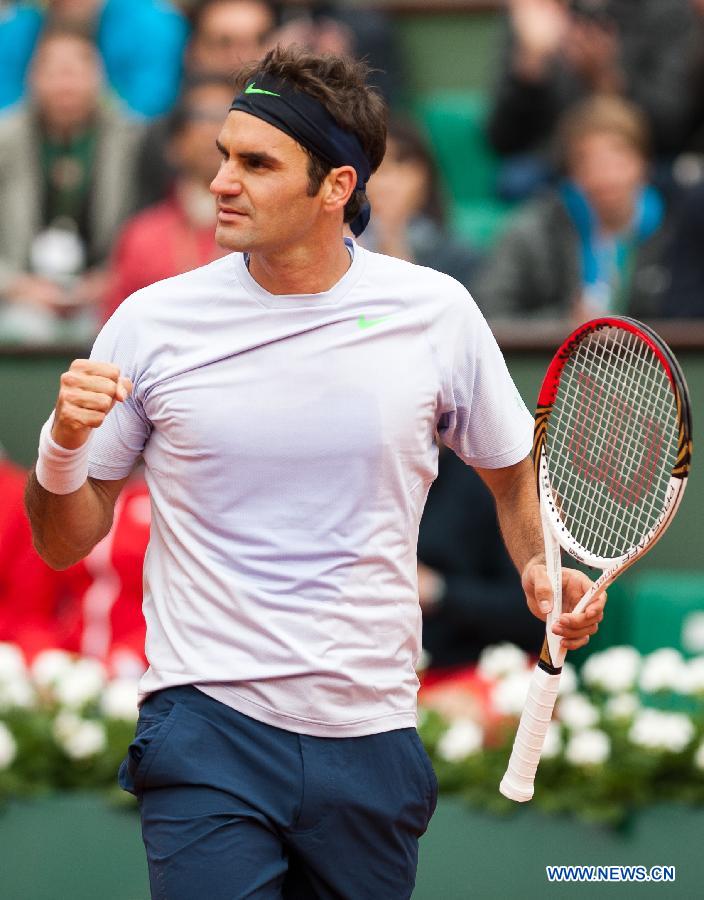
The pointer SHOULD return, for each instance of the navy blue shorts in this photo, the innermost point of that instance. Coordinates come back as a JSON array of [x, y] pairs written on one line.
[[233, 808]]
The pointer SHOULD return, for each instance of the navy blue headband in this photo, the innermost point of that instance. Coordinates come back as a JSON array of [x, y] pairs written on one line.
[[306, 120]]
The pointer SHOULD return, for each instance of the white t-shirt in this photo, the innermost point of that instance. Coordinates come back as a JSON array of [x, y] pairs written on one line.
[[289, 444]]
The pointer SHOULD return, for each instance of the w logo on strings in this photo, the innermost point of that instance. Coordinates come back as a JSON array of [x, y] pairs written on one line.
[[627, 470]]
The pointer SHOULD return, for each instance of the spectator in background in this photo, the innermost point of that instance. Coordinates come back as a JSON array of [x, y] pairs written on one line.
[[66, 181], [560, 51], [177, 234], [470, 592], [141, 43], [93, 608], [409, 220], [28, 587], [225, 34], [335, 26], [604, 241]]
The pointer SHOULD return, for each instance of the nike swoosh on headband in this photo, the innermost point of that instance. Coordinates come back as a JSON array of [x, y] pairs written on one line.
[[250, 89]]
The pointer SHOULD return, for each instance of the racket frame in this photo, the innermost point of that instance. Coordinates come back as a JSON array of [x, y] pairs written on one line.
[[517, 783]]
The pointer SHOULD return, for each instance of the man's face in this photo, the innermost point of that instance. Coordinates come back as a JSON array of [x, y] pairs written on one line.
[[609, 170], [231, 33], [261, 187], [66, 81]]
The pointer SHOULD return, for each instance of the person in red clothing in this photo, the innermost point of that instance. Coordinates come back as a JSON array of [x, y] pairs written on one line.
[[177, 234], [29, 589], [93, 608]]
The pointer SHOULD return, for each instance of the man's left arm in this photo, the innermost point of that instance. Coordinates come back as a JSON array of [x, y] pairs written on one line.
[[518, 513]]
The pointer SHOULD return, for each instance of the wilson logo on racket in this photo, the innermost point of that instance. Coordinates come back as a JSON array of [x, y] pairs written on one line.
[[613, 467]]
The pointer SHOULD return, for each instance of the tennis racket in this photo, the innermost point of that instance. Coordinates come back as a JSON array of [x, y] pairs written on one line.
[[611, 449]]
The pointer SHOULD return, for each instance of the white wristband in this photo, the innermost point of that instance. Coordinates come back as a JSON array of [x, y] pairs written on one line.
[[60, 470]]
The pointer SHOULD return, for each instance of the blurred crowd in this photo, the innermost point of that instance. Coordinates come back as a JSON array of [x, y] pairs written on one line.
[[109, 111]]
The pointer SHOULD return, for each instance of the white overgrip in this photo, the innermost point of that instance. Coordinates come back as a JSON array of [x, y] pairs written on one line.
[[517, 783]]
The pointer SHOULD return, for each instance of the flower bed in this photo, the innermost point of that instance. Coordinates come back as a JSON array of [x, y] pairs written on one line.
[[63, 723], [628, 730]]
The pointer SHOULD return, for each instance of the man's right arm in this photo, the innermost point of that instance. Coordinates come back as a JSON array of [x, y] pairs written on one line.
[[67, 525]]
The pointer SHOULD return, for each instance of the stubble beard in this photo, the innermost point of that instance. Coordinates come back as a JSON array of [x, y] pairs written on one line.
[[227, 239]]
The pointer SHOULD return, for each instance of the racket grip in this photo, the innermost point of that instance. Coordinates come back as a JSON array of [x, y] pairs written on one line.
[[517, 783]]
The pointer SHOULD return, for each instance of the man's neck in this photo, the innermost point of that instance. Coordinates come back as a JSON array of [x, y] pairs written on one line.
[[301, 270]]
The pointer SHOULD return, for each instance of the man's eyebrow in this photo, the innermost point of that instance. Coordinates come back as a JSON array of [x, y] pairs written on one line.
[[258, 156]]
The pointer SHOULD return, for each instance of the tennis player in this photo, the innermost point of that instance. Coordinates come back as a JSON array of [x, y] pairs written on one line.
[[287, 400]]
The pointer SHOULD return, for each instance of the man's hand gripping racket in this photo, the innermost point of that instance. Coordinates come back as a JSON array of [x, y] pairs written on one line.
[[611, 450]]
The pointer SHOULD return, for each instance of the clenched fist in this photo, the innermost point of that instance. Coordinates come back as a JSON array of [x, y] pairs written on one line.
[[88, 392]]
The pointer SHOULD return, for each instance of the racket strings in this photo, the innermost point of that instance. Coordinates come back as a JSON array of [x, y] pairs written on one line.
[[625, 405], [625, 486], [593, 412], [612, 442]]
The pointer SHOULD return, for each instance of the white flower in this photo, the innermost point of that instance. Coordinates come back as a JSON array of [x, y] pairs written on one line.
[[83, 682], [11, 662], [119, 700], [693, 677], [501, 660], [461, 739], [663, 670], [509, 695], [552, 746], [17, 693], [50, 665], [693, 632], [65, 724], [577, 712], [568, 680], [699, 757], [614, 670], [657, 730], [79, 738], [8, 747], [621, 706], [590, 747]]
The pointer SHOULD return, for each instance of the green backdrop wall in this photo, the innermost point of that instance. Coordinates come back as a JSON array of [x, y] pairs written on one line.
[[75, 847]]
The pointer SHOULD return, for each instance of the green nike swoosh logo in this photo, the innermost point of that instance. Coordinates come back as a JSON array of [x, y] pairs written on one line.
[[364, 322], [250, 89]]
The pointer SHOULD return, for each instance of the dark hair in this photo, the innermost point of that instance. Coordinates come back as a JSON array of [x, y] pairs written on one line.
[[340, 84], [412, 145], [185, 110]]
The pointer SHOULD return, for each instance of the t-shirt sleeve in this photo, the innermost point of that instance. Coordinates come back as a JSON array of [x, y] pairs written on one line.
[[118, 442], [483, 418]]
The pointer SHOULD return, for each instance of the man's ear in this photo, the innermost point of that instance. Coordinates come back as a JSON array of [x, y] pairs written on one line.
[[338, 187]]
